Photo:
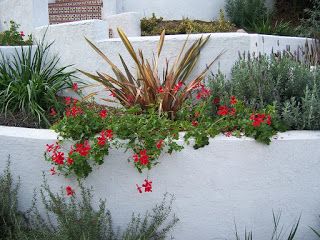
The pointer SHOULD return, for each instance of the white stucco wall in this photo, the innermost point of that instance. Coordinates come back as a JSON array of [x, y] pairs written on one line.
[[28, 13], [178, 9], [69, 39], [229, 180]]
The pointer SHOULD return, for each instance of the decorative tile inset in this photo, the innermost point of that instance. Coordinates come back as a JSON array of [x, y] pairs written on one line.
[[74, 10]]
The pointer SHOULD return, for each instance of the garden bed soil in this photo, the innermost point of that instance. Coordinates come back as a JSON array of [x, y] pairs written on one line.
[[18, 120]]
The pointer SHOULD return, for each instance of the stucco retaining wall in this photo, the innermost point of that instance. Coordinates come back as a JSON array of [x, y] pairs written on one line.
[[230, 180], [74, 50]]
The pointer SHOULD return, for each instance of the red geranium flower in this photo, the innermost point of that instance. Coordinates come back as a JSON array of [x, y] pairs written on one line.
[[223, 110], [58, 158], [103, 113], [75, 87], [53, 112], [139, 188], [203, 93], [50, 147], [195, 123], [160, 90], [83, 149], [135, 158], [53, 171], [177, 87], [147, 185], [67, 100], [144, 159], [159, 144], [70, 161], [233, 100], [22, 34], [268, 121], [70, 191]]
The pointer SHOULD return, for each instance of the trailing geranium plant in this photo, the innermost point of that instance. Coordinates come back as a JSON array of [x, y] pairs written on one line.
[[94, 129]]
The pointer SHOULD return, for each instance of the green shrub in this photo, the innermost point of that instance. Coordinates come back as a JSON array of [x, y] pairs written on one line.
[[280, 79], [13, 37], [311, 25], [29, 82], [154, 26], [246, 13]]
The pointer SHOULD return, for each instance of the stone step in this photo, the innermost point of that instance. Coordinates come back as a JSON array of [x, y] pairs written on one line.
[[68, 11]]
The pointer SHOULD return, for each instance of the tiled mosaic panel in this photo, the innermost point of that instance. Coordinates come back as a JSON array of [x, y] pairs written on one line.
[[88, 1], [69, 11]]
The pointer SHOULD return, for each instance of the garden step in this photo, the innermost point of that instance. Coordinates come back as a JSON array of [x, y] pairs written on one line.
[[68, 11]]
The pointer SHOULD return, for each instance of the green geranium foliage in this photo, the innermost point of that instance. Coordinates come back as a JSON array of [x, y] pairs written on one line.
[[146, 134]]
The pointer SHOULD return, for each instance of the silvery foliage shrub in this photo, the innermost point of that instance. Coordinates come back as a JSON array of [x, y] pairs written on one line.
[[293, 86], [75, 218], [12, 222]]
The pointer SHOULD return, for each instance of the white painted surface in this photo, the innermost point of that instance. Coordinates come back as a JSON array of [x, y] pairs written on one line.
[[69, 39], [178, 9], [231, 179], [28, 13], [128, 22]]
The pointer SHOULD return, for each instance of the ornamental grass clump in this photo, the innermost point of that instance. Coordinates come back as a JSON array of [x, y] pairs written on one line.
[[165, 91], [30, 80], [278, 232]]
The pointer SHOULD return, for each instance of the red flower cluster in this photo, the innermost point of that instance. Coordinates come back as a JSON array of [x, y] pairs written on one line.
[[258, 119], [22, 34], [233, 100], [53, 171], [177, 87], [104, 136], [70, 101], [53, 112], [83, 148], [143, 159], [70, 191], [203, 93], [160, 89], [223, 110], [147, 185], [103, 113], [75, 87], [73, 110], [57, 157], [195, 123]]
